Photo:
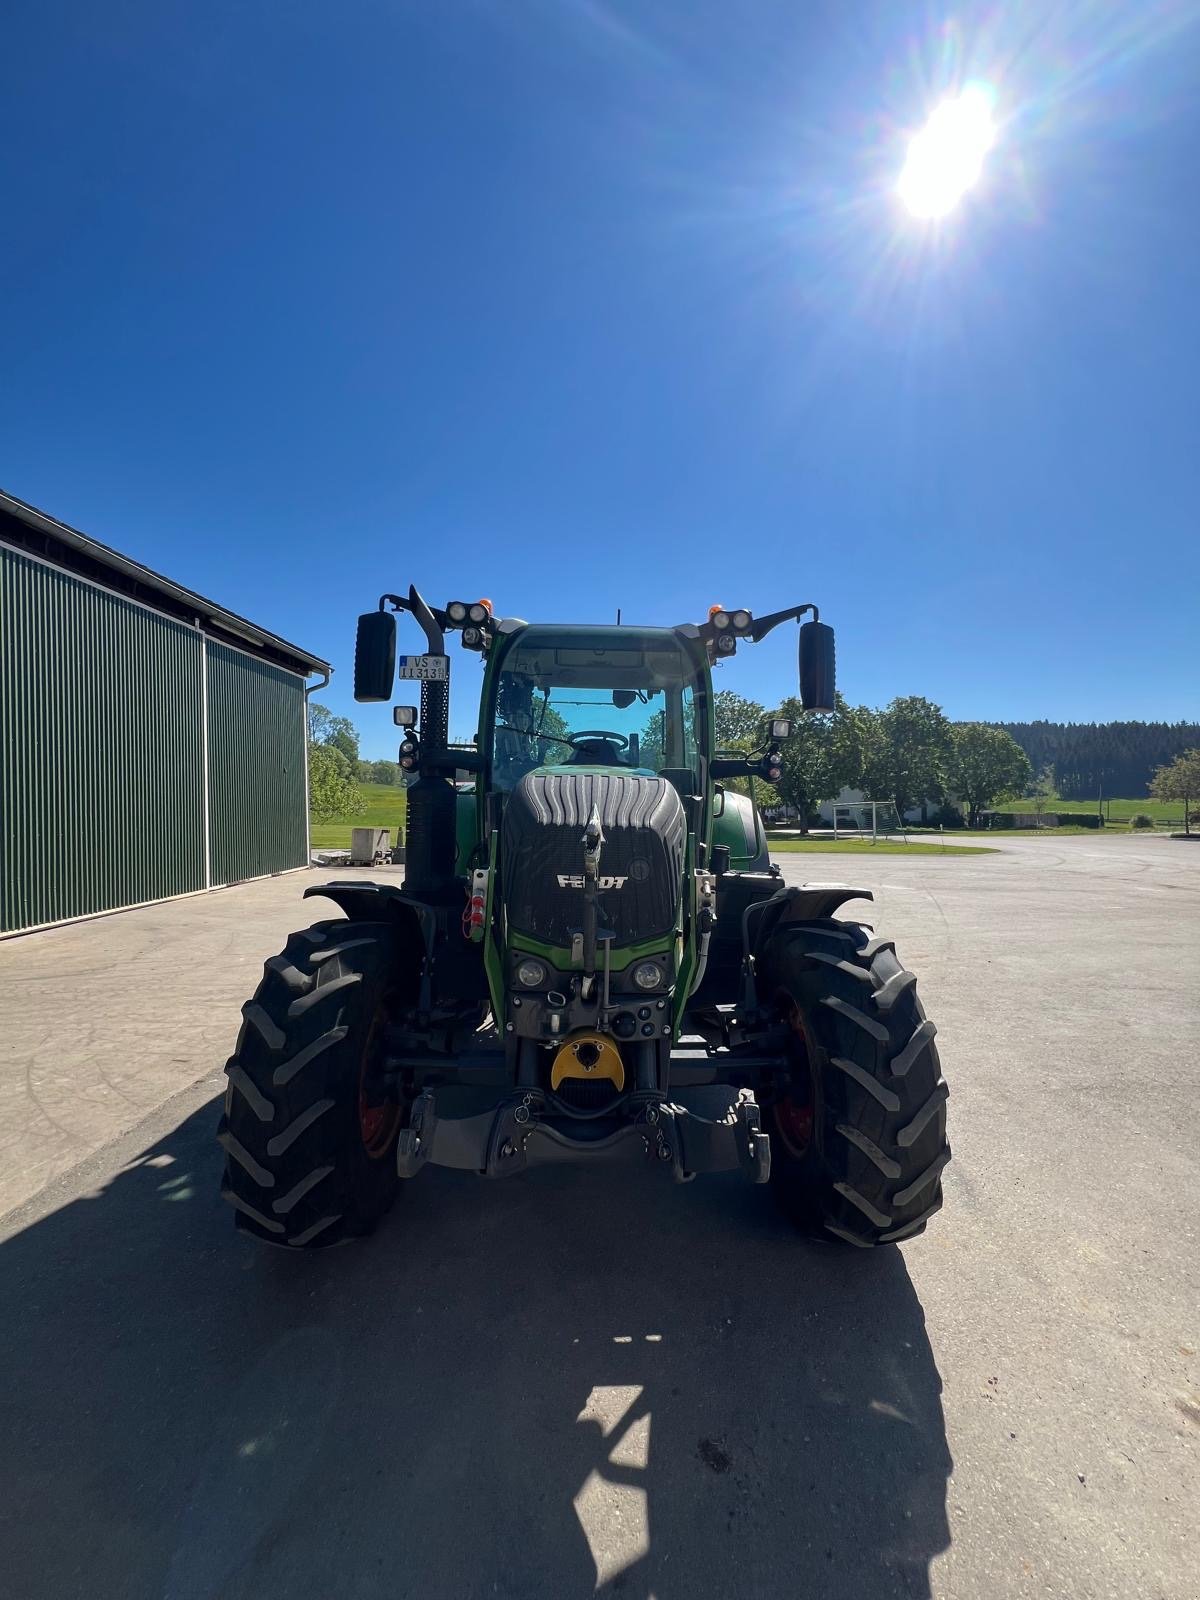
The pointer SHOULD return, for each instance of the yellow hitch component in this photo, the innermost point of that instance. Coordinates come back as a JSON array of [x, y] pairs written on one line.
[[588, 1056]]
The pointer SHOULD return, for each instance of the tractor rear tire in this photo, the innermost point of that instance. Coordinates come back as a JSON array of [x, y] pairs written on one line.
[[866, 1088], [310, 1150]]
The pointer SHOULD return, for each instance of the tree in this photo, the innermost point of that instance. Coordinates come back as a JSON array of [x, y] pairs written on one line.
[[822, 758], [739, 726], [378, 772], [875, 774], [552, 732], [319, 719], [1040, 790], [532, 732], [333, 791], [905, 752], [339, 733], [1110, 758], [1179, 781], [739, 721], [984, 763]]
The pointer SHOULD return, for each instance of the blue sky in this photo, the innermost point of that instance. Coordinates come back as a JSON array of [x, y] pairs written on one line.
[[587, 303]]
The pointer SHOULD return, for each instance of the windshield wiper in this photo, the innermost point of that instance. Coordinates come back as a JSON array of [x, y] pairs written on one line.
[[528, 733]]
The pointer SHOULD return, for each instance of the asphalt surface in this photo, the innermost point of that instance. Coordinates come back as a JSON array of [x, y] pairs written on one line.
[[599, 1381]]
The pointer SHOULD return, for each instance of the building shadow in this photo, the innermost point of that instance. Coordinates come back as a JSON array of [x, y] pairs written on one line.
[[566, 1384]]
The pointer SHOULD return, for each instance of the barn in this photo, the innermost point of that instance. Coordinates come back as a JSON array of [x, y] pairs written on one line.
[[152, 743]]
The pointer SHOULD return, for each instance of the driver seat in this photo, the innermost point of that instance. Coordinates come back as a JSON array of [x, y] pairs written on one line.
[[595, 753]]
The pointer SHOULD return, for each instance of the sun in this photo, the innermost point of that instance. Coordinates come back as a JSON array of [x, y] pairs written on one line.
[[946, 158]]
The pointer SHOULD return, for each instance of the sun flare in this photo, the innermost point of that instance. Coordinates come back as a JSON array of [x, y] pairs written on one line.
[[946, 158]]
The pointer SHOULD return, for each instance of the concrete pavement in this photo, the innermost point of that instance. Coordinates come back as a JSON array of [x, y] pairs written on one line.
[[584, 1381]]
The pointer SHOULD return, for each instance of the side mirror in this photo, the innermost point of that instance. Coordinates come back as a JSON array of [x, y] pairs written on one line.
[[375, 656], [817, 676]]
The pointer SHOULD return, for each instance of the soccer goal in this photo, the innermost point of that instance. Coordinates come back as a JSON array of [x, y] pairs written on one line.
[[873, 819]]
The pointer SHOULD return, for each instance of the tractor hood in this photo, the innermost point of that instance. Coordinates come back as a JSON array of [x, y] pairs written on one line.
[[641, 858]]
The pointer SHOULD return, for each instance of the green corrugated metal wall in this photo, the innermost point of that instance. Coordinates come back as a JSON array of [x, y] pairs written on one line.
[[256, 801], [103, 705], [101, 754]]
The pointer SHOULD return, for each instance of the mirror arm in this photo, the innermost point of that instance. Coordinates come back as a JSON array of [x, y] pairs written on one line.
[[453, 758], [758, 765], [430, 624], [399, 603], [763, 625]]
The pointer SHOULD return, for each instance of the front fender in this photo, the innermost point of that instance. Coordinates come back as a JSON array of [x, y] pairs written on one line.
[[364, 901], [809, 902]]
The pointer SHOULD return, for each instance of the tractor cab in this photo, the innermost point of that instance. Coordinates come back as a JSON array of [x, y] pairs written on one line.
[[625, 702], [623, 699]]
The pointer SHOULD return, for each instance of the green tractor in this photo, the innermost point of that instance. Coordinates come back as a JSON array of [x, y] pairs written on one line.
[[591, 958]]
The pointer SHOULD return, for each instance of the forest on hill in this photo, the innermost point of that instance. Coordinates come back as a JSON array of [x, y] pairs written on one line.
[[1113, 758]]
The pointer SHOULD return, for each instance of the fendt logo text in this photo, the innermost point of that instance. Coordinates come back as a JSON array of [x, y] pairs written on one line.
[[574, 880]]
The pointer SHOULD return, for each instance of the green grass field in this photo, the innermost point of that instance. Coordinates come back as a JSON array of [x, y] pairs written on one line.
[[1161, 810], [885, 847], [385, 808], [1166, 814], [1113, 830]]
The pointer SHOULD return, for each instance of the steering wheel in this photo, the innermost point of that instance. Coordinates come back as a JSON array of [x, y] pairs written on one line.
[[584, 734]]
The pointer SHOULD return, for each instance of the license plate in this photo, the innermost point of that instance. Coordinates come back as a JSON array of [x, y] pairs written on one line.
[[430, 669]]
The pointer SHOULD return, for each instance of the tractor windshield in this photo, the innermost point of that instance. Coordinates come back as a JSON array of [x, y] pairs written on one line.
[[608, 699]]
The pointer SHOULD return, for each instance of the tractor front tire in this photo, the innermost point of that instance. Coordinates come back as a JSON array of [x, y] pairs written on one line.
[[858, 1138], [310, 1147]]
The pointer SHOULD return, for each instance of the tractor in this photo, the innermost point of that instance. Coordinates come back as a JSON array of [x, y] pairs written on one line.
[[591, 958]]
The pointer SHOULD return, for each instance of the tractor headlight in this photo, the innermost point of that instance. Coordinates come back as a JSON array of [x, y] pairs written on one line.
[[647, 975], [456, 611], [726, 644], [719, 620], [532, 974], [741, 620], [480, 611]]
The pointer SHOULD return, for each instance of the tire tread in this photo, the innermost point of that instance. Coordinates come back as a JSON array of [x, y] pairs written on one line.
[[873, 1172], [296, 1171]]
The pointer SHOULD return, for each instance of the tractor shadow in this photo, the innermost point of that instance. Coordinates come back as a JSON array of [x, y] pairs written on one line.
[[567, 1384]]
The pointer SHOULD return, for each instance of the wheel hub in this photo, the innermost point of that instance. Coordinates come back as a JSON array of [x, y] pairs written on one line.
[[378, 1120], [794, 1110]]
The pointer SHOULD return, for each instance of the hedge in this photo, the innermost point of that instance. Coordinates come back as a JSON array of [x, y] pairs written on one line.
[[1065, 819]]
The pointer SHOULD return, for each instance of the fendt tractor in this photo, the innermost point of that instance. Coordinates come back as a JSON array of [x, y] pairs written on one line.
[[591, 959]]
